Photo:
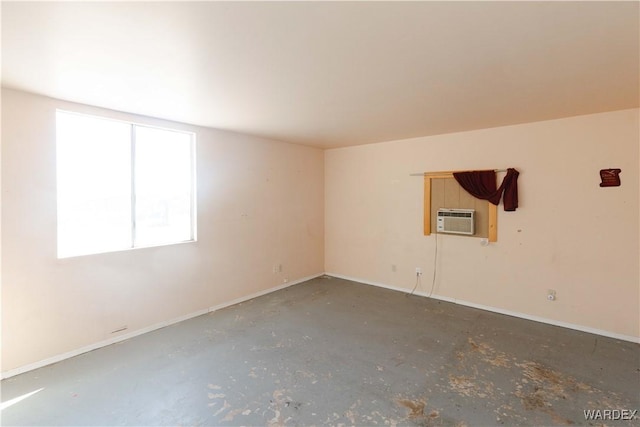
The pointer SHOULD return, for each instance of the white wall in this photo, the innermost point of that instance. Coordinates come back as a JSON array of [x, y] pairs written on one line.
[[260, 203], [569, 234], [264, 202]]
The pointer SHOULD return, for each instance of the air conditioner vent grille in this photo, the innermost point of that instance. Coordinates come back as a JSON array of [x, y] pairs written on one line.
[[456, 221], [457, 214]]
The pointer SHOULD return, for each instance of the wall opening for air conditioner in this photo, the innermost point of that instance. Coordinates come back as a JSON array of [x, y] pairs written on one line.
[[444, 193]]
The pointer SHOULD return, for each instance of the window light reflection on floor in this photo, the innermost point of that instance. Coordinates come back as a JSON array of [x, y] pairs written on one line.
[[15, 400]]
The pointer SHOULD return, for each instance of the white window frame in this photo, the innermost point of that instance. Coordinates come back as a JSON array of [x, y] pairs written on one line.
[[132, 144]]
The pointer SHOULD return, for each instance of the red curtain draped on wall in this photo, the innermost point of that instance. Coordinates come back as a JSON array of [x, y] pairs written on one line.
[[482, 184]]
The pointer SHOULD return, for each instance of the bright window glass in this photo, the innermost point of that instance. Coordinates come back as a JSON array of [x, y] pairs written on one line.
[[121, 185], [162, 186]]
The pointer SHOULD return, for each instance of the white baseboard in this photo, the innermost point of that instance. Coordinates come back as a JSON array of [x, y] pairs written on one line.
[[123, 337], [497, 310], [261, 293]]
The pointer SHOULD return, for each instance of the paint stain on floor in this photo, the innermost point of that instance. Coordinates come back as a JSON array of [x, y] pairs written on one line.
[[415, 407], [489, 355], [542, 391], [418, 413]]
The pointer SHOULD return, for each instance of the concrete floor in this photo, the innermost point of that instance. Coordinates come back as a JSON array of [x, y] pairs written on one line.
[[331, 352]]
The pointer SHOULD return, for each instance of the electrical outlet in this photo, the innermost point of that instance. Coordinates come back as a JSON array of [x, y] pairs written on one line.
[[418, 271]]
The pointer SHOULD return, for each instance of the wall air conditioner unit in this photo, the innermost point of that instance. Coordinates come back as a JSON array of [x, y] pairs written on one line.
[[456, 221]]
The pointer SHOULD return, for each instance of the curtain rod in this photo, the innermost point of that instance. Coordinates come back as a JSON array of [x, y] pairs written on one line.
[[446, 172]]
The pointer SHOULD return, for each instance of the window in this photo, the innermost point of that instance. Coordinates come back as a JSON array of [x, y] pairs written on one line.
[[122, 185]]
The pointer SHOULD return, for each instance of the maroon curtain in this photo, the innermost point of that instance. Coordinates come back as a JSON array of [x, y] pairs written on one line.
[[482, 184], [510, 187]]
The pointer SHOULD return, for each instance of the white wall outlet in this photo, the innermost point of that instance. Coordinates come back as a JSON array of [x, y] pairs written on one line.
[[418, 271], [551, 295]]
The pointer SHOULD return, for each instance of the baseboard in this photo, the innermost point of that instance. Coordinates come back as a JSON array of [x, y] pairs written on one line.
[[264, 292], [132, 334], [497, 310]]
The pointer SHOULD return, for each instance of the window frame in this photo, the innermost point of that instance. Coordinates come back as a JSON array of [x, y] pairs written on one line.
[[133, 244]]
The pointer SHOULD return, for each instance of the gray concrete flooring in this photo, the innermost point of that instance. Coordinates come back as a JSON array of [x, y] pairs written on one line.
[[335, 352]]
